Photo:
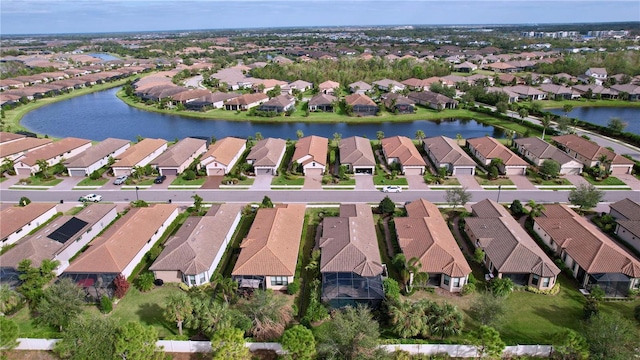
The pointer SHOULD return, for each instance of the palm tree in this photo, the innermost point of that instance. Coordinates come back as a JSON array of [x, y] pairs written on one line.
[[406, 319], [299, 134], [226, 286], [536, 209], [336, 138], [178, 309], [43, 168], [509, 134], [447, 321], [379, 135], [7, 166], [566, 109], [523, 114], [545, 122], [258, 136], [603, 163], [420, 136]]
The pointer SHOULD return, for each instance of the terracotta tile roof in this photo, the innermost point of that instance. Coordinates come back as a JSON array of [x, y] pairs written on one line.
[[402, 148], [543, 150], [17, 147], [117, 247], [39, 246], [134, 154], [53, 150], [424, 235], [506, 243], [349, 242], [96, 152], [266, 152], [15, 217], [524, 90], [589, 149], [356, 151], [273, 242], [280, 101], [195, 245], [190, 94], [594, 251], [359, 99], [7, 137], [627, 208], [180, 152], [247, 99], [447, 151], [315, 147], [224, 150], [491, 148], [328, 85]]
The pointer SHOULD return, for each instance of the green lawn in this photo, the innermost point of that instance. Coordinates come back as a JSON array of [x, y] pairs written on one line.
[[146, 308], [350, 181], [89, 182], [283, 179], [247, 181], [3, 178], [432, 180], [483, 180], [538, 180], [38, 181], [611, 180], [381, 179], [181, 181]]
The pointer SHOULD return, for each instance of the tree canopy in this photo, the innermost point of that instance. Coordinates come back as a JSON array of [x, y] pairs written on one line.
[[585, 196]]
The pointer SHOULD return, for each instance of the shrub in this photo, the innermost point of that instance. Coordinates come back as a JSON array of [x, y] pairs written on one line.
[[144, 281], [105, 304], [95, 175], [121, 286], [468, 289], [189, 175], [183, 286], [553, 291], [478, 255], [293, 288], [472, 279], [636, 313]]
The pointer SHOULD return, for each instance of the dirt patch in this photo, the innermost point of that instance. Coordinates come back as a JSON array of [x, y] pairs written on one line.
[[30, 355]]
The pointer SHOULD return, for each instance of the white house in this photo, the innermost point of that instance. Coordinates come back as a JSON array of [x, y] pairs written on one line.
[[223, 155], [96, 157]]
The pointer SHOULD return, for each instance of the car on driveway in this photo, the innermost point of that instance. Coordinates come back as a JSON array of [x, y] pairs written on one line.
[[392, 189], [120, 180], [160, 179], [90, 198]]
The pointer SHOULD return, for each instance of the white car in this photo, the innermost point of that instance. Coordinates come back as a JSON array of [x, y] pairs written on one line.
[[90, 198], [392, 189], [120, 180]]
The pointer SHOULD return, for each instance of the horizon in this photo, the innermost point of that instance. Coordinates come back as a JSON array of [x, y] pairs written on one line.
[[38, 17]]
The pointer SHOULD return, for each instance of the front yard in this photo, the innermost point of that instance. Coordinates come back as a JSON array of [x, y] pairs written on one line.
[[288, 179], [482, 179], [539, 180], [611, 180], [87, 181], [39, 181]]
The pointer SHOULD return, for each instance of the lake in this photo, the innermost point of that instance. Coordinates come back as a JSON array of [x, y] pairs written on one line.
[[601, 115], [100, 115], [105, 57]]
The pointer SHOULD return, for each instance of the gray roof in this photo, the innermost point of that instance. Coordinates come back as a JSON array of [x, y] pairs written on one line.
[[266, 152], [506, 243], [323, 99], [196, 244], [177, 154], [543, 150], [446, 150], [627, 208], [96, 153], [356, 151], [349, 242]]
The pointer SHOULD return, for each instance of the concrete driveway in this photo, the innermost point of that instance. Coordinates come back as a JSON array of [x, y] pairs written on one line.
[[630, 180], [416, 182], [312, 180], [212, 182], [577, 180], [522, 183], [262, 182], [364, 182], [469, 181]]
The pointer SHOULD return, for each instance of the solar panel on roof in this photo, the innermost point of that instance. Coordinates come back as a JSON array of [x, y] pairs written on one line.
[[66, 231]]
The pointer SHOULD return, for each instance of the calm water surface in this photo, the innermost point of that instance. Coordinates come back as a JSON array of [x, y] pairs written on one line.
[[601, 116], [101, 115]]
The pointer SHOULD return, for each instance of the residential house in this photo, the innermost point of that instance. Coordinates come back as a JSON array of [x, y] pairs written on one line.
[[424, 235], [138, 155], [527, 92], [445, 152], [192, 255], [590, 154], [350, 261], [311, 154], [120, 248], [18, 221], [420, 84], [13, 150], [632, 91], [279, 104], [246, 101], [509, 251], [401, 150], [512, 97], [361, 105], [433, 100], [212, 100], [559, 92], [7, 137], [466, 67], [223, 155], [301, 85], [269, 254], [398, 104], [501, 67], [389, 85], [487, 148], [537, 151], [95, 157], [329, 87], [322, 102], [265, 156], [178, 157], [599, 75], [61, 239], [356, 154], [591, 256], [359, 87], [627, 215], [53, 154], [266, 85], [596, 91]]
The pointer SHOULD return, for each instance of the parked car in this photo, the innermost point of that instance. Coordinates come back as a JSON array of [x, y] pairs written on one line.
[[392, 189], [120, 180], [90, 198], [160, 179]]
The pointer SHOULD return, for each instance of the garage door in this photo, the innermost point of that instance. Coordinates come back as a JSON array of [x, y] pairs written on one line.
[[313, 172], [215, 172], [615, 170], [365, 171], [168, 171], [570, 171], [263, 172], [77, 172], [515, 171], [413, 171], [463, 171]]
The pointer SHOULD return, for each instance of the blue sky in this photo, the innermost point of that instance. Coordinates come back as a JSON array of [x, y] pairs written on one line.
[[81, 16]]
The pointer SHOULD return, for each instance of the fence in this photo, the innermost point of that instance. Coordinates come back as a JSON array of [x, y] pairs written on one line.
[[461, 351]]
